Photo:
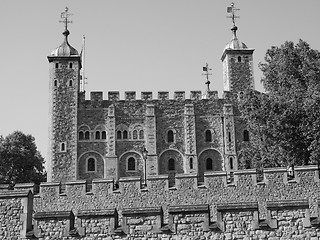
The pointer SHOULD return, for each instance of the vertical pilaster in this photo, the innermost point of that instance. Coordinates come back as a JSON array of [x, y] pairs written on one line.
[[230, 158], [191, 163], [151, 140], [111, 165]]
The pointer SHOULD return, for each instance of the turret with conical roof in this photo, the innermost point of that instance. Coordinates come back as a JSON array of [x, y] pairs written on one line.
[[237, 60], [65, 65]]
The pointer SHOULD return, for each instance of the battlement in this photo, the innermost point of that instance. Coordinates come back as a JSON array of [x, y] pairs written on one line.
[[148, 95]]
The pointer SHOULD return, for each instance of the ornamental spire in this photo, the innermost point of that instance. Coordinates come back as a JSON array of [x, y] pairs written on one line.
[[65, 16], [231, 10]]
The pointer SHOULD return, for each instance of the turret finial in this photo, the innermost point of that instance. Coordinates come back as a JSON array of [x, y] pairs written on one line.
[[65, 16], [231, 10], [206, 69]]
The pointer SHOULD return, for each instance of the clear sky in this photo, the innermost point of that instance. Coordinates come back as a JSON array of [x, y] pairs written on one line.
[[140, 45]]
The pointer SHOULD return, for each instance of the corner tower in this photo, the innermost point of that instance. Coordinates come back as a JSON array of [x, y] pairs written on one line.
[[64, 81], [237, 61]]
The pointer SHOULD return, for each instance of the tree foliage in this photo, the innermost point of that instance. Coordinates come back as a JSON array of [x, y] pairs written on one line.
[[285, 121], [20, 161]]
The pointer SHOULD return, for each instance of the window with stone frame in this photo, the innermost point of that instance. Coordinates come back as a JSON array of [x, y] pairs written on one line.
[[135, 134], [91, 165], [209, 164], [191, 163], [125, 134], [87, 135], [131, 164], [103, 135], [119, 134], [171, 164], [231, 162], [81, 135], [63, 147], [170, 136], [141, 134], [98, 135], [208, 136]]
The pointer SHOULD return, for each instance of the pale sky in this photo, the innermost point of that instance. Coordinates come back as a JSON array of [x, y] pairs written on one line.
[[134, 45]]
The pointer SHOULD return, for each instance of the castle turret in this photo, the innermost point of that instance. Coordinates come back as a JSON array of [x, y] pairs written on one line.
[[64, 65], [237, 60]]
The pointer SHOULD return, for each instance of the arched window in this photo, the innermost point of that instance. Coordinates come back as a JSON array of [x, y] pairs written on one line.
[[104, 135], [239, 59], [87, 135], [209, 165], [119, 134], [135, 134], [171, 164], [229, 136], [55, 83], [170, 136], [97, 134], [208, 136], [131, 164], [70, 83], [246, 135], [125, 134], [91, 165], [141, 134], [70, 65], [191, 163], [231, 162], [81, 135]]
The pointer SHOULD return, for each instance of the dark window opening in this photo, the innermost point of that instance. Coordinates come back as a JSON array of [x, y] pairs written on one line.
[[57, 65], [170, 136], [131, 164], [70, 83], [171, 164], [125, 134], [231, 162], [91, 167], [134, 134], [63, 147], [141, 134], [97, 135], [81, 135], [209, 165], [229, 136], [87, 135], [104, 135], [246, 135], [191, 163], [208, 136], [119, 134], [239, 59], [70, 65], [55, 83]]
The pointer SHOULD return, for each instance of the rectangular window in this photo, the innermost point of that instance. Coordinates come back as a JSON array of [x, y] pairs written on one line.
[[63, 147]]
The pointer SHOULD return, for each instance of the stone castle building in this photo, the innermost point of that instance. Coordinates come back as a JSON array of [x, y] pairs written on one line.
[[100, 138]]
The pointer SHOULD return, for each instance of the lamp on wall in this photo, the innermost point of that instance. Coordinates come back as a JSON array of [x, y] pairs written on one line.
[[145, 155]]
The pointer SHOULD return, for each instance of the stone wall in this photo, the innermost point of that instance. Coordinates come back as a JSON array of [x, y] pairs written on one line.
[[276, 208]]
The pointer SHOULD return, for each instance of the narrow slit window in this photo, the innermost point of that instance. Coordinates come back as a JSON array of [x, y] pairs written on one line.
[[70, 83], [57, 65], [63, 147], [70, 65], [231, 162], [239, 59], [229, 136], [246, 135], [191, 163], [55, 83]]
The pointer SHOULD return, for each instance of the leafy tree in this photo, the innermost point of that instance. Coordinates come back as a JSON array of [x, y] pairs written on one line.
[[20, 161], [285, 121]]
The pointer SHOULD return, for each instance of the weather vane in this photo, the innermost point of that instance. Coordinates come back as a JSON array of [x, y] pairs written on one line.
[[65, 16], [206, 69], [231, 10]]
